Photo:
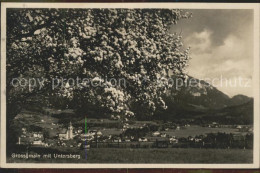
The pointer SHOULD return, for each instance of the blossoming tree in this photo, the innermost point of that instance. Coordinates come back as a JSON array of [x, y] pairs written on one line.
[[133, 45]]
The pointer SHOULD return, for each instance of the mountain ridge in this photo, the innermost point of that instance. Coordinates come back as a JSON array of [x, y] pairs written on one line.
[[202, 100]]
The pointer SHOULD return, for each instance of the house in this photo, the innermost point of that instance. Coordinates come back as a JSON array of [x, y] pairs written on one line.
[[195, 94], [198, 139], [92, 132], [50, 142], [173, 140], [99, 133], [239, 127], [87, 137], [156, 133], [214, 125], [37, 135], [117, 139], [63, 134], [127, 140], [90, 135], [67, 134], [190, 138], [37, 142], [143, 139], [85, 146], [24, 130], [163, 135], [115, 117]]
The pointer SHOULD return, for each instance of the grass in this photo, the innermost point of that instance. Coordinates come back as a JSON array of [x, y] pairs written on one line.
[[198, 130], [111, 131], [169, 155], [172, 155]]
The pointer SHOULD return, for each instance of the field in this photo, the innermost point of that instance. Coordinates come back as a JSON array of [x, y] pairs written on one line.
[[169, 155], [198, 130], [111, 131], [172, 155]]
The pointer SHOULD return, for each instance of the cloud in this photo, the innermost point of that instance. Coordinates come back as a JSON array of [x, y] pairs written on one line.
[[230, 60], [222, 22], [221, 42], [200, 41]]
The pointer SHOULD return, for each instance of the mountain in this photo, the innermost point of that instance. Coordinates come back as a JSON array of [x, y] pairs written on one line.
[[239, 114], [239, 100], [243, 112], [197, 99], [201, 93]]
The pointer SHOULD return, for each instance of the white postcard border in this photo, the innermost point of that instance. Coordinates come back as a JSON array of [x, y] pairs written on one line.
[[254, 6]]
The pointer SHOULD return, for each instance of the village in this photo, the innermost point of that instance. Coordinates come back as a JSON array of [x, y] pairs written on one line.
[[111, 133]]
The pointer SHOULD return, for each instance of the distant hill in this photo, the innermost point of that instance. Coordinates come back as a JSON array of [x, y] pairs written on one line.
[[200, 100], [242, 112], [199, 92], [239, 114], [239, 100]]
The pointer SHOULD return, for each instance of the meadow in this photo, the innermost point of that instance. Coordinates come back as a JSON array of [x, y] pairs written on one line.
[[152, 155], [169, 155], [194, 130]]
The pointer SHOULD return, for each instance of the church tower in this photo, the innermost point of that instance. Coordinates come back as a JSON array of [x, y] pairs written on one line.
[[70, 131]]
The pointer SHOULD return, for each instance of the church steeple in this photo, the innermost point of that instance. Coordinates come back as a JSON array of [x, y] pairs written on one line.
[[70, 131]]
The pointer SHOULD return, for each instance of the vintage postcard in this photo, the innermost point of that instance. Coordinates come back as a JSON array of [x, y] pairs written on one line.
[[129, 85]]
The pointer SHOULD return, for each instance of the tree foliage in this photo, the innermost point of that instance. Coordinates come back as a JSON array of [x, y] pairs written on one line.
[[100, 45]]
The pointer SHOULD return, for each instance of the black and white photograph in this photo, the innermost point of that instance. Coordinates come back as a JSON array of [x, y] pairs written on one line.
[[97, 85]]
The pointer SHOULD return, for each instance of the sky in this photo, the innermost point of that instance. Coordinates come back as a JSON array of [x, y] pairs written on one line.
[[221, 43]]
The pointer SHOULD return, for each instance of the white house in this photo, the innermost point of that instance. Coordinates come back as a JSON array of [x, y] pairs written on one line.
[[156, 133], [67, 134], [38, 142], [99, 133], [163, 135], [37, 135]]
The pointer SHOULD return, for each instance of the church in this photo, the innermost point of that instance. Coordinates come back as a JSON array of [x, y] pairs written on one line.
[[67, 134]]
